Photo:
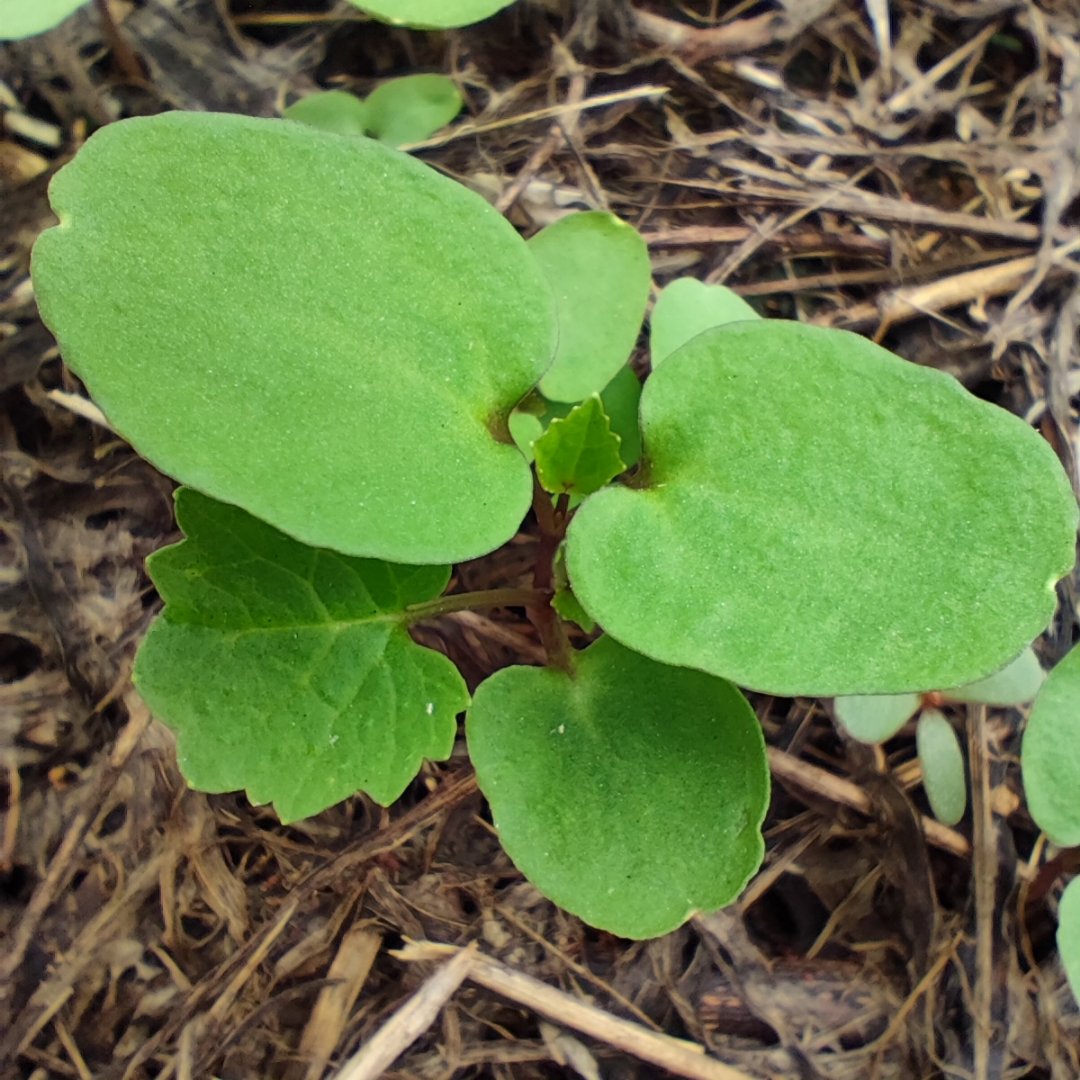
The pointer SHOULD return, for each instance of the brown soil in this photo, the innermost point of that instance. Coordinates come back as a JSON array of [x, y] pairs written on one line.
[[906, 168]]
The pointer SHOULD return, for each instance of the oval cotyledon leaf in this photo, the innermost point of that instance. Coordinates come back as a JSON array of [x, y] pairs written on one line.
[[316, 328], [817, 516]]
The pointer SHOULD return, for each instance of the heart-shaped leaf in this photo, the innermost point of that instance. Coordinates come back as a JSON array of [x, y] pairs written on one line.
[[319, 329], [630, 793], [1050, 754], [944, 779], [1015, 683], [578, 453], [598, 268], [287, 670], [24, 18], [688, 307], [336, 111], [1068, 935], [819, 517], [431, 14], [411, 108], [873, 718]]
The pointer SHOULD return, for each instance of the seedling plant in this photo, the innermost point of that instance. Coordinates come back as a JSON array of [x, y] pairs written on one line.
[[361, 374]]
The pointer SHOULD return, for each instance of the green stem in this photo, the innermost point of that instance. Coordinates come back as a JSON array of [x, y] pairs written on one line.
[[473, 601]]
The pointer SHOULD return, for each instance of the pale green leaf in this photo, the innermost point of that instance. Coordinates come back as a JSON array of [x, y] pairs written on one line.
[[1068, 934], [578, 453], [288, 670], [688, 307], [24, 18], [411, 108], [598, 268], [336, 111], [1015, 683], [817, 516], [565, 603], [632, 794], [525, 429], [431, 14], [944, 780], [873, 718], [319, 329], [1050, 753]]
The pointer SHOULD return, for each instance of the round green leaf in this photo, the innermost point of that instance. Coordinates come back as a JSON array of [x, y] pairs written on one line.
[[319, 329], [1050, 753], [288, 670], [336, 111], [598, 268], [873, 718], [942, 763], [1068, 935], [431, 14], [631, 794], [24, 18], [688, 307], [1015, 683], [820, 517], [411, 108]]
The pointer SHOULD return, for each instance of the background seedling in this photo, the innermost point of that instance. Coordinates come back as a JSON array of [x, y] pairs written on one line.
[[341, 405], [398, 111], [431, 14]]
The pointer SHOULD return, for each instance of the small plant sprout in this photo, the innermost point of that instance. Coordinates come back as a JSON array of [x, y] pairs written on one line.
[[876, 718], [361, 374], [399, 111]]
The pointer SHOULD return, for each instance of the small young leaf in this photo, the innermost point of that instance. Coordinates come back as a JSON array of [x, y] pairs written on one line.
[[821, 517], [631, 793], [336, 111], [688, 307], [1050, 753], [1068, 935], [431, 14], [873, 718], [1014, 684], [942, 766], [598, 268], [578, 454], [319, 329], [25, 18], [620, 399], [411, 108], [288, 670]]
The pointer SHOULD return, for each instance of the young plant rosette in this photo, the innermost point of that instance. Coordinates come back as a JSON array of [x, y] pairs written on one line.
[[328, 344]]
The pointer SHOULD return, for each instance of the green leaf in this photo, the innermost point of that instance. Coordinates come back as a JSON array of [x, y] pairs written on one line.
[[25, 18], [288, 670], [1068, 935], [620, 399], [631, 793], [1015, 683], [566, 604], [820, 517], [1050, 754], [578, 454], [598, 268], [336, 111], [321, 330], [431, 14], [942, 763], [411, 108], [873, 718], [688, 307]]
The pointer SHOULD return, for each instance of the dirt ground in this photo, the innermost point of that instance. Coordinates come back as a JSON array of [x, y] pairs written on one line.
[[906, 168]]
